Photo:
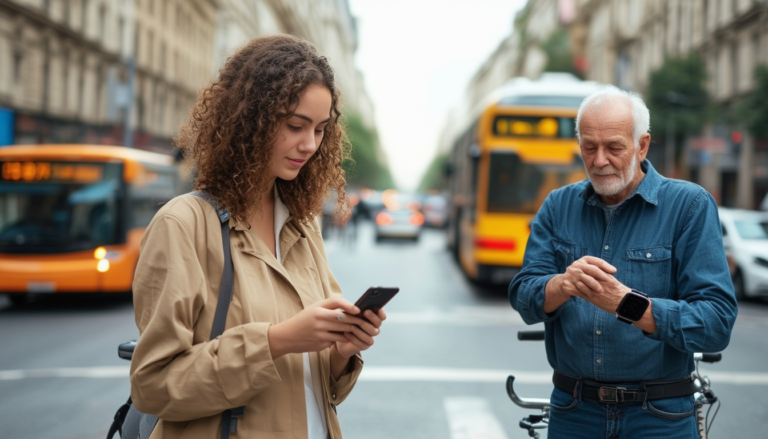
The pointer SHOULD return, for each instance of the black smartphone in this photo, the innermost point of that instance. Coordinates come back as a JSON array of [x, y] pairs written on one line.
[[375, 298]]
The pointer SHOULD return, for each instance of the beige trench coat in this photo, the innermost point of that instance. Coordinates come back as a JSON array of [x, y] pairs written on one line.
[[187, 380]]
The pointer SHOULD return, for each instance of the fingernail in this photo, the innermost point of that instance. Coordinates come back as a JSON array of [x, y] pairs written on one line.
[[356, 310]]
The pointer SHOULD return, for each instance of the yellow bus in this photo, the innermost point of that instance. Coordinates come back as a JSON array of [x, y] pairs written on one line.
[[516, 148], [72, 216]]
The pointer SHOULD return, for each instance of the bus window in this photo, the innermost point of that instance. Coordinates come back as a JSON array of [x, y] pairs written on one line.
[[518, 187], [61, 214]]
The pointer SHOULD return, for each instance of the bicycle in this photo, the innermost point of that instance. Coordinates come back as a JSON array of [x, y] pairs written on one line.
[[703, 397]]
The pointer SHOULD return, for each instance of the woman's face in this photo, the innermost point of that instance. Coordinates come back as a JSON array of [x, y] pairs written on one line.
[[300, 135]]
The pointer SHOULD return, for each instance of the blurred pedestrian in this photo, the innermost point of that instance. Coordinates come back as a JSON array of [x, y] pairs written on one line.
[[628, 273], [267, 144]]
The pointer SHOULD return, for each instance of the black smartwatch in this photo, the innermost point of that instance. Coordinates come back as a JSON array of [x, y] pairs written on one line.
[[632, 306]]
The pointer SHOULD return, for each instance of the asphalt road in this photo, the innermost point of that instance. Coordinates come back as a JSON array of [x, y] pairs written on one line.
[[436, 371]]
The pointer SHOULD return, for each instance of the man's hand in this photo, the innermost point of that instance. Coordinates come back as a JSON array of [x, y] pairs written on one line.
[[589, 278], [592, 279]]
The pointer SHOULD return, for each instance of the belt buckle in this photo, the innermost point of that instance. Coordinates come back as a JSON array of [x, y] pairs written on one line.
[[608, 394]]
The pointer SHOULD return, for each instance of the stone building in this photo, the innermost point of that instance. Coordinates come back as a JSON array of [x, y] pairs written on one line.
[[62, 62], [624, 41], [76, 71], [328, 24]]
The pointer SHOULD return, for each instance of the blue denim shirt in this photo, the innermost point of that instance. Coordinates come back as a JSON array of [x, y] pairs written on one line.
[[664, 240]]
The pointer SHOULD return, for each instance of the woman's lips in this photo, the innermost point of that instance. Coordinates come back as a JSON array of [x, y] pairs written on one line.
[[296, 162]]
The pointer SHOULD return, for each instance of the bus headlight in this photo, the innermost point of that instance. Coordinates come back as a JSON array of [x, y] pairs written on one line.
[[100, 253], [103, 266]]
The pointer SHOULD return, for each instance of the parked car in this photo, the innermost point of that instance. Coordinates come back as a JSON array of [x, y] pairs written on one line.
[[400, 218], [435, 209], [745, 238]]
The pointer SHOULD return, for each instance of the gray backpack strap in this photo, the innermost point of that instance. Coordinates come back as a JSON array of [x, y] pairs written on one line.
[[229, 417]]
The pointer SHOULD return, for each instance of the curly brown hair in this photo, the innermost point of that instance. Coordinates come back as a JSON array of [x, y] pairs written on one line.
[[233, 126]]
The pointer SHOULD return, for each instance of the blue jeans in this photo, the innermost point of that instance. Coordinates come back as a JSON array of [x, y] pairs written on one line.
[[672, 418]]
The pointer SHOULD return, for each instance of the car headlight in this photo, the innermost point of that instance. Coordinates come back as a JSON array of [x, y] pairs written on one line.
[[761, 261]]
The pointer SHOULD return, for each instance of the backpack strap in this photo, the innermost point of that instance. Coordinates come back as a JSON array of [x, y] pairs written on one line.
[[229, 417]]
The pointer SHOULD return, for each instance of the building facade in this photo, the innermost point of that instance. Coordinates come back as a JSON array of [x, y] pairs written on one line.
[[79, 71], [624, 41]]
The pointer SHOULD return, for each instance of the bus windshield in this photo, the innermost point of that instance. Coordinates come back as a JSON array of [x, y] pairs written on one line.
[[49, 216], [518, 187]]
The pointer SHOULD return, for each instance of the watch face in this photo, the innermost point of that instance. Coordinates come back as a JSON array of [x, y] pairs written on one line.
[[633, 306]]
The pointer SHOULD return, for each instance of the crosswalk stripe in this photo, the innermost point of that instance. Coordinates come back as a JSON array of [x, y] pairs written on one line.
[[387, 374], [472, 418]]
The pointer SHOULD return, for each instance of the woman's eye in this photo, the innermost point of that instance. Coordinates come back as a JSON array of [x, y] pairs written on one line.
[[320, 131], [294, 128]]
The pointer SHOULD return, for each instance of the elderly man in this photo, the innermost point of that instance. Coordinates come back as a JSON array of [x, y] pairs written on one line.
[[627, 271]]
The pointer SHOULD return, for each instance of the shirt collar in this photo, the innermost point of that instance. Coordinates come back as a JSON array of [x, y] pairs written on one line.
[[648, 188]]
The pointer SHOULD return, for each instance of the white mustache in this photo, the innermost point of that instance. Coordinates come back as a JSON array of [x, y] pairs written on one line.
[[608, 170]]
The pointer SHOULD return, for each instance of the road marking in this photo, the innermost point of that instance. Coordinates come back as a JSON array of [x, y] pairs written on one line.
[[66, 372], [459, 316], [386, 374], [426, 374], [472, 418]]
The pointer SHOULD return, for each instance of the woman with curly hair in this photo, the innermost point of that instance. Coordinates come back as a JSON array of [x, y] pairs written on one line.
[[267, 144]]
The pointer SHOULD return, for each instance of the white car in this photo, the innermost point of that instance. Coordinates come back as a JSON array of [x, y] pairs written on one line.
[[745, 238]]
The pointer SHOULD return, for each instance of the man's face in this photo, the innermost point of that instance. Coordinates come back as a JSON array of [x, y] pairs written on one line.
[[610, 155]]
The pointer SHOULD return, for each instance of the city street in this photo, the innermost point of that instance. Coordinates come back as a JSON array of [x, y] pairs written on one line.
[[437, 370]]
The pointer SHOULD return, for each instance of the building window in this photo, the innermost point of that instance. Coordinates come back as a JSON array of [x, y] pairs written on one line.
[[17, 60], [66, 12], [705, 9], [84, 16], [120, 35], [102, 24], [735, 68], [150, 49]]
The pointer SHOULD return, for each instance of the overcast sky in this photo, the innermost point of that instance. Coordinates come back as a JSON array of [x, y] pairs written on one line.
[[417, 57]]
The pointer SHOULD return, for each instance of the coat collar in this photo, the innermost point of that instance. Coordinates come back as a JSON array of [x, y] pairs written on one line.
[[648, 189]]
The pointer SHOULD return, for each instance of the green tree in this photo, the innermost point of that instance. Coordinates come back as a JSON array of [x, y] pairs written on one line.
[[677, 90], [433, 176], [365, 169], [558, 50], [752, 111]]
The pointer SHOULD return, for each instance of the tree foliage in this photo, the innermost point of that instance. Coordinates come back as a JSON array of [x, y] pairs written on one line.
[[433, 176], [365, 169], [558, 50], [678, 87], [752, 111]]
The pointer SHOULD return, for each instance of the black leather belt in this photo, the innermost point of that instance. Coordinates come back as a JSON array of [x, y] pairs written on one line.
[[628, 392]]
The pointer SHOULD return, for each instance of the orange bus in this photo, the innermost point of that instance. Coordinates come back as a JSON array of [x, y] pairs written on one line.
[[72, 216], [517, 147]]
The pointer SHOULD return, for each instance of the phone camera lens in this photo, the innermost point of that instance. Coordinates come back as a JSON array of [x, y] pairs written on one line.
[[375, 293]]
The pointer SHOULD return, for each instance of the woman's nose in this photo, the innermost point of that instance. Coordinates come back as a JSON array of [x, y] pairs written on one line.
[[309, 143]]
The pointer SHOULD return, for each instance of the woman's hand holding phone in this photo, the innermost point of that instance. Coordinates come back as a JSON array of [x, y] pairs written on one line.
[[361, 336], [318, 327]]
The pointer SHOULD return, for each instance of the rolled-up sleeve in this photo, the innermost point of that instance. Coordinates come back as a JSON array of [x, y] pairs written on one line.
[[702, 314], [527, 289], [171, 377]]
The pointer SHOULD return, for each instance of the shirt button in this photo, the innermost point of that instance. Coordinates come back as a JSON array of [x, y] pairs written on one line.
[[598, 332], [599, 361], [648, 255], [333, 396], [606, 247]]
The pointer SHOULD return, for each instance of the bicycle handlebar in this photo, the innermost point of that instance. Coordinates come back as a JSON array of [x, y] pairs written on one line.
[[708, 357], [530, 335], [526, 403]]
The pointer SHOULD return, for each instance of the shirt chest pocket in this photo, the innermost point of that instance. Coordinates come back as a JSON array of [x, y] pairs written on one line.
[[565, 254], [648, 270]]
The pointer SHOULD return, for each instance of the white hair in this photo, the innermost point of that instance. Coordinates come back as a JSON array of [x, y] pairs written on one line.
[[641, 117]]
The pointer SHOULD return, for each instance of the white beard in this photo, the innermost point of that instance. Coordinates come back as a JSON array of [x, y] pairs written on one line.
[[615, 185]]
